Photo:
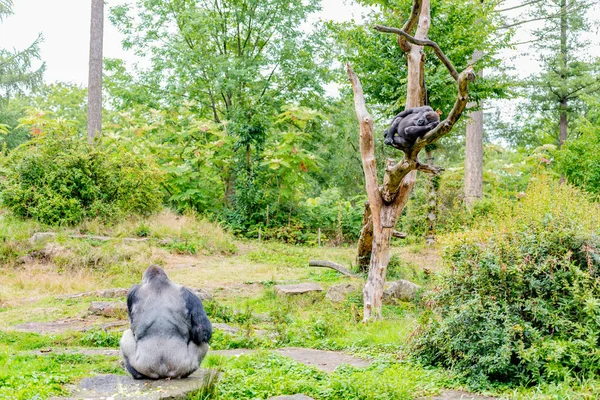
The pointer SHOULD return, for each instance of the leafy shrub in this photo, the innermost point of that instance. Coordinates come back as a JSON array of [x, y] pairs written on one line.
[[56, 178], [522, 302], [579, 160]]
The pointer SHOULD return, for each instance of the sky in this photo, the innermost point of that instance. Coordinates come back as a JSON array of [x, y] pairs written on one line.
[[65, 26]]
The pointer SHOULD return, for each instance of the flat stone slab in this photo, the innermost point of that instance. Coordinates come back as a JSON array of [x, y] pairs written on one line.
[[109, 308], [121, 387], [107, 293], [85, 352], [291, 397], [76, 324], [326, 361], [299, 288], [53, 327], [231, 352], [457, 395], [225, 328]]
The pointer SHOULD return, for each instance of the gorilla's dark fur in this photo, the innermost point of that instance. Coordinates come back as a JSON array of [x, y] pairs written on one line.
[[169, 332], [409, 125]]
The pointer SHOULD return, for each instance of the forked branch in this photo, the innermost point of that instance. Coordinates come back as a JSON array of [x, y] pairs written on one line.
[[421, 42], [410, 24]]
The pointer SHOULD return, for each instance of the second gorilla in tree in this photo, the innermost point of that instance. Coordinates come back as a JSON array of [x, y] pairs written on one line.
[[169, 329], [409, 125]]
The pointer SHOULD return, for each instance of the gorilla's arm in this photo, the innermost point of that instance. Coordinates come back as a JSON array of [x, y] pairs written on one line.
[[414, 110], [201, 326], [131, 300], [418, 131]]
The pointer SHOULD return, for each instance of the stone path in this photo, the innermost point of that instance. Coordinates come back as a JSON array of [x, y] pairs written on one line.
[[457, 395], [326, 361], [300, 288], [120, 387]]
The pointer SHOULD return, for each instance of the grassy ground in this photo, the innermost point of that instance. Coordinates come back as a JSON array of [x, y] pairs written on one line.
[[34, 277]]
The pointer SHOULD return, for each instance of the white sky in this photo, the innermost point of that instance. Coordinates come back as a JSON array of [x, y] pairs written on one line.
[[65, 25]]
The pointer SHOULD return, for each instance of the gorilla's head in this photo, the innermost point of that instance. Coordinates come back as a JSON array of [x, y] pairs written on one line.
[[428, 117], [153, 274]]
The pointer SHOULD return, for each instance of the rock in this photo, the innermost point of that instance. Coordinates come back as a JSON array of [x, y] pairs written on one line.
[[338, 293], [111, 293], [225, 328], [300, 288], [108, 308], [400, 290], [232, 352], [456, 395], [45, 254], [121, 387], [326, 361], [76, 324], [135, 240], [108, 293], [203, 294], [291, 397], [41, 237]]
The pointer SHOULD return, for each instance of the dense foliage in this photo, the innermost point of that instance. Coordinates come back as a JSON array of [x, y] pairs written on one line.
[[57, 178], [520, 304]]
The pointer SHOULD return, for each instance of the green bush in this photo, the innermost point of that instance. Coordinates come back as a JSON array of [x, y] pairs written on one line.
[[579, 160], [57, 179], [522, 301]]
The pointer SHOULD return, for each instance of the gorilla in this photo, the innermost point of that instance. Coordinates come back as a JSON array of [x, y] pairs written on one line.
[[169, 332], [409, 125]]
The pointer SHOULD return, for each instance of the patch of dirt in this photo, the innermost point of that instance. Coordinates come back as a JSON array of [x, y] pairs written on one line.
[[427, 258]]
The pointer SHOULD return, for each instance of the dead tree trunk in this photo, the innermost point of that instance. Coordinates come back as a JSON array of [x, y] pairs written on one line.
[[94, 126], [474, 150], [386, 203]]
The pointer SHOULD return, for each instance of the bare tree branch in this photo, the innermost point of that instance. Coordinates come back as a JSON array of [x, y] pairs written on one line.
[[422, 42], [519, 6], [429, 169], [410, 24], [367, 147]]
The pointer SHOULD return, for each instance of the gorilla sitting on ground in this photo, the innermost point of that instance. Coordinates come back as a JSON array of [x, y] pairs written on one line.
[[169, 332], [409, 125]]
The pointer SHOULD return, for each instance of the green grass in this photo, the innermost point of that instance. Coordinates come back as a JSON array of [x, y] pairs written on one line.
[[24, 376], [262, 375]]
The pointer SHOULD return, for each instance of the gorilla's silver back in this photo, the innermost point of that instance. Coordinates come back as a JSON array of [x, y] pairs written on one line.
[[159, 344]]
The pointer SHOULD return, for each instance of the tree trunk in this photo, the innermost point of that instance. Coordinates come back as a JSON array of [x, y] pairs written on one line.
[[95, 71], [563, 123], [474, 150], [387, 214], [474, 158], [431, 201], [365, 241]]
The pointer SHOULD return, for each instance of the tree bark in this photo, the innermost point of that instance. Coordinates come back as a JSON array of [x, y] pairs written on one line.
[[94, 126], [365, 241], [474, 150], [431, 201], [563, 123]]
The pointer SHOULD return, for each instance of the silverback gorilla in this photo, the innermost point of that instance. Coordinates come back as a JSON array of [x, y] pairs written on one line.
[[409, 125], [169, 329]]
